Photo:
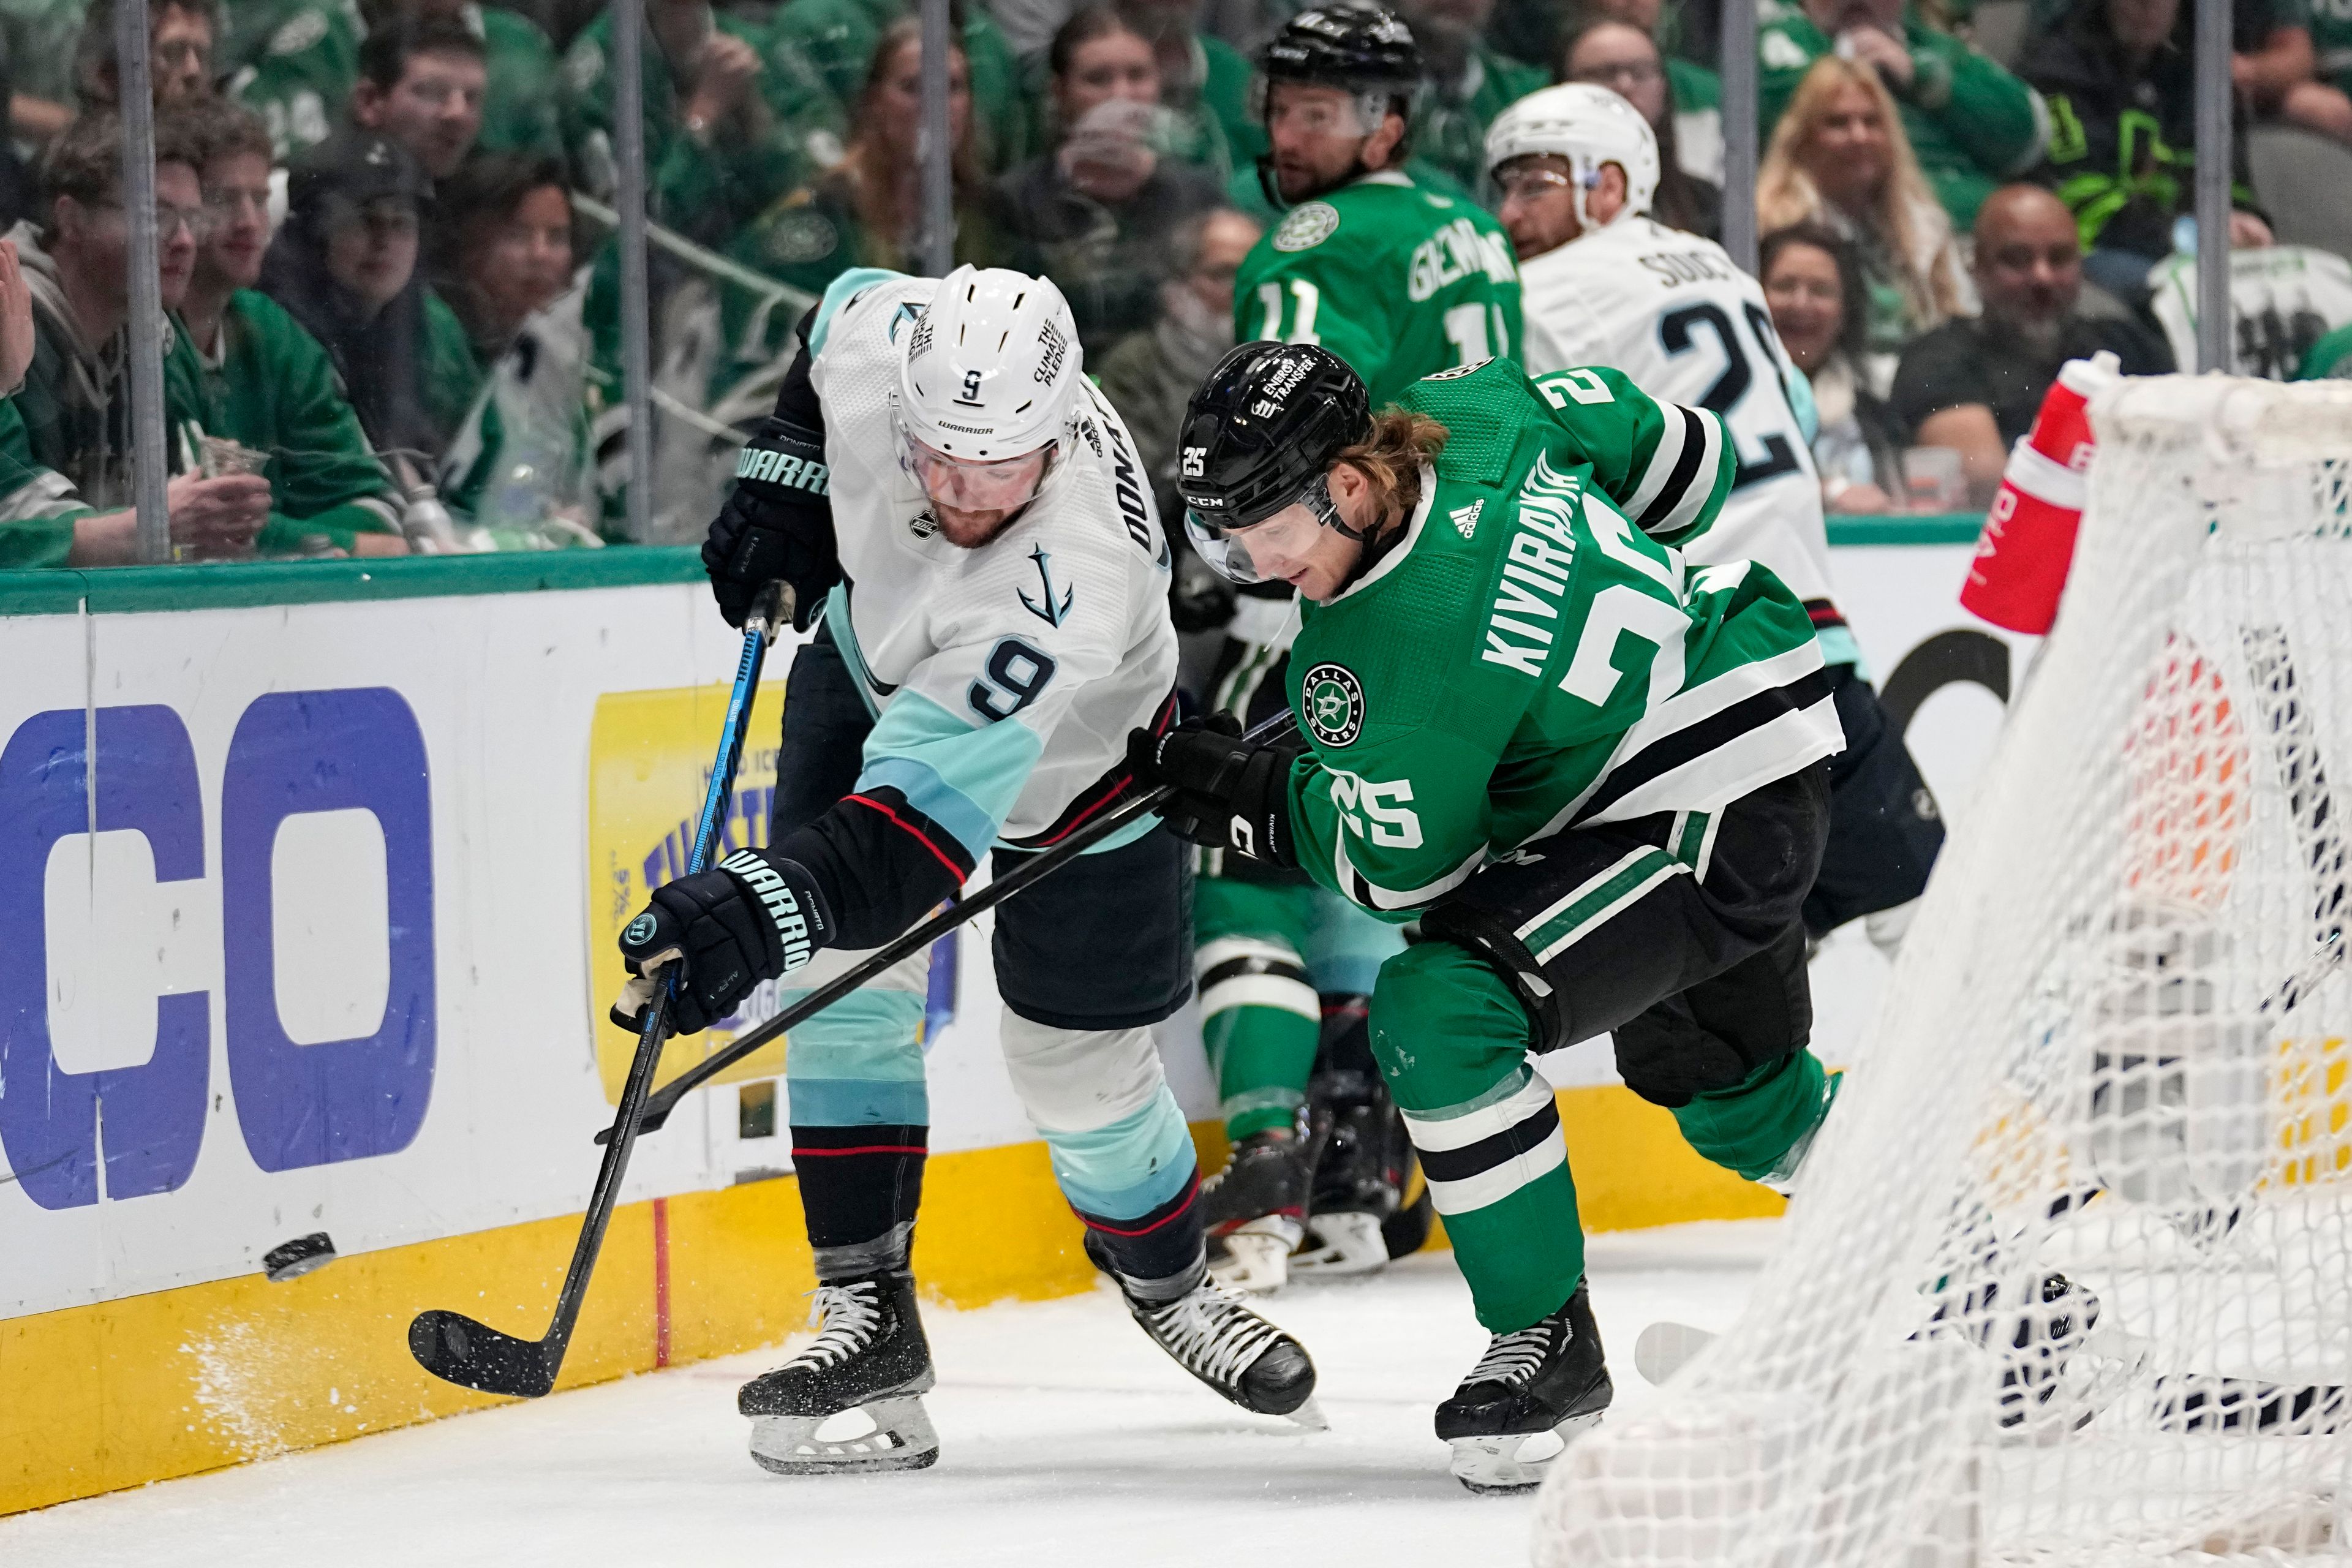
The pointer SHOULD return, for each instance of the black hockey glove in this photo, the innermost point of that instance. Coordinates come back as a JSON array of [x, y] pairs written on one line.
[[1231, 793], [747, 920], [777, 524]]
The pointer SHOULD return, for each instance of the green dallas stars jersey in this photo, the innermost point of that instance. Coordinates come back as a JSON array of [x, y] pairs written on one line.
[[1399, 282], [1529, 660]]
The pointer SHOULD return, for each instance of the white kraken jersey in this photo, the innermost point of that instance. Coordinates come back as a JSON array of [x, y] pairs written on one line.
[[1004, 678], [1671, 310]]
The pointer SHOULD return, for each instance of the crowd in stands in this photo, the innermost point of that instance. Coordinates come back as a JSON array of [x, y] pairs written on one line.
[[385, 237]]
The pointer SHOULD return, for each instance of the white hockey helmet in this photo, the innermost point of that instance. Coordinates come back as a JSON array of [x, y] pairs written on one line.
[[990, 367], [1588, 125]]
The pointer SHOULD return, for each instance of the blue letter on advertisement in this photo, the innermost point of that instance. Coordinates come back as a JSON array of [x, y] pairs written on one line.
[[297, 751], [153, 1114]]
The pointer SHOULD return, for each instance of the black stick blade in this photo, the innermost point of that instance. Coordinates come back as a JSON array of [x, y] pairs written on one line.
[[456, 1349], [651, 1121]]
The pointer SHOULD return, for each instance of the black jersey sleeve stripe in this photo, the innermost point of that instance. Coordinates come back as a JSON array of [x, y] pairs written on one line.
[[1668, 503], [1711, 733]]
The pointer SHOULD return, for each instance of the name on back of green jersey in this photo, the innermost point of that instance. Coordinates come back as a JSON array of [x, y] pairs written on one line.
[[1453, 253], [1538, 557]]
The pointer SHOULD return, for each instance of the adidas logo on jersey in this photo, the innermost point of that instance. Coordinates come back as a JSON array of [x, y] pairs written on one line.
[[1465, 518]]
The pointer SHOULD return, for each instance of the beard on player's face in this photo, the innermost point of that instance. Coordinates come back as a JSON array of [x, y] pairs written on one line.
[[972, 530]]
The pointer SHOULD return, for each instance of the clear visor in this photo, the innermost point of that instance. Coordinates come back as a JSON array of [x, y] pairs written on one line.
[[1262, 553], [953, 482]]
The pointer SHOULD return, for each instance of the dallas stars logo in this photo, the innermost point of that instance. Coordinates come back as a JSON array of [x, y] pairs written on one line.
[[1334, 700]]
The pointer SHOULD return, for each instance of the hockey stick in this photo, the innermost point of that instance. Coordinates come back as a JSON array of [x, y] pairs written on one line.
[[455, 1347], [658, 1110]]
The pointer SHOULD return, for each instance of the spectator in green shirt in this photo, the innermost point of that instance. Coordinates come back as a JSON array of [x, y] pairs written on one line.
[[345, 267], [68, 427], [835, 40], [726, 133], [182, 36], [255, 376], [1467, 82], [1971, 124], [1202, 75]]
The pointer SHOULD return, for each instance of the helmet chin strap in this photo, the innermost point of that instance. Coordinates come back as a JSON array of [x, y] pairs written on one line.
[[1376, 542]]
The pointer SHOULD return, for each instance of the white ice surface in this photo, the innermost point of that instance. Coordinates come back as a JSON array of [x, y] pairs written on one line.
[[1067, 1439]]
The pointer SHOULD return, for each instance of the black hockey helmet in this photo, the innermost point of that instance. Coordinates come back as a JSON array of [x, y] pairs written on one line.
[[1361, 47], [1259, 434]]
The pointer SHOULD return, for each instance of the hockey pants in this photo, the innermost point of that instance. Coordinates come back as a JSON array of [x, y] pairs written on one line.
[[1267, 952], [1679, 934], [1085, 962]]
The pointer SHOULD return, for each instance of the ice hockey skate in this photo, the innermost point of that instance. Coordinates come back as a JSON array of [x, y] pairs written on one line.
[[1548, 1378], [1254, 1210], [1359, 1176], [869, 1355], [1216, 1337]]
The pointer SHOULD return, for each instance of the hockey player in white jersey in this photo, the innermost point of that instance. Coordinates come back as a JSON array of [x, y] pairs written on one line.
[[1605, 284], [941, 478]]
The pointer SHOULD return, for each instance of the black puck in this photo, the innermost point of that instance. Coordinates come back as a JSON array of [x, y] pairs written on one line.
[[292, 1259]]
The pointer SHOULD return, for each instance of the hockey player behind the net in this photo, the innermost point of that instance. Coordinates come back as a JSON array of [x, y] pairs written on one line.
[[941, 479], [1607, 284], [1593, 772], [1399, 282]]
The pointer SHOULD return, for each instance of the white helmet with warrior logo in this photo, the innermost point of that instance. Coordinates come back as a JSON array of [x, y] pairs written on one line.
[[990, 372], [1588, 125]]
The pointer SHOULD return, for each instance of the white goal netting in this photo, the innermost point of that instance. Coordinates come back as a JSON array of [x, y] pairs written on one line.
[[2069, 1276]]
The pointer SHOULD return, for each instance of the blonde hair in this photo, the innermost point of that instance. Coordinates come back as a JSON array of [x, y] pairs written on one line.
[[1905, 215], [1391, 456]]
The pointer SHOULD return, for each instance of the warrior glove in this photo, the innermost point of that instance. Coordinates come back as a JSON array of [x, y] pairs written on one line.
[[747, 920], [1231, 792], [777, 524]]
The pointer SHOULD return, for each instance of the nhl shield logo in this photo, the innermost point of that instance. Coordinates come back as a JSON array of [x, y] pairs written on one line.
[[1333, 699]]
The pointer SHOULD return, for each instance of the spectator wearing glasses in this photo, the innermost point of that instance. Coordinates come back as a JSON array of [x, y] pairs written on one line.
[[1095, 214], [345, 267], [74, 403], [1625, 59], [255, 376], [1839, 157], [422, 83], [1970, 123], [181, 38]]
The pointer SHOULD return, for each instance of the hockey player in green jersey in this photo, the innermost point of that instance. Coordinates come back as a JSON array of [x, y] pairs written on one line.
[[1400, 279], [1590, 771]]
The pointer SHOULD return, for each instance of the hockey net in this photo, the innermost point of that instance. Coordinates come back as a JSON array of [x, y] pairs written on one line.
[[2068, 1279]]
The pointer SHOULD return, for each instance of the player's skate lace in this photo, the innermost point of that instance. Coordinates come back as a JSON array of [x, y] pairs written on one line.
[[851, 1313], [1514, 1357], [1211, 1334]]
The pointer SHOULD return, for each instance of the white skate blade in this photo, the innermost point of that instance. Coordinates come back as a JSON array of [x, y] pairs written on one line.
[[1257, 1256], [1309, 1416], [1338, 1245], [1502, 1464], [1664, 1348], [902, 1439]]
